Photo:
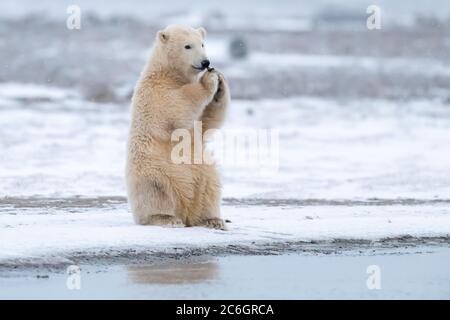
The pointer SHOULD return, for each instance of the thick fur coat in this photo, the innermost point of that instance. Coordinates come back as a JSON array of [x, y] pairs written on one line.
[[173, 91]]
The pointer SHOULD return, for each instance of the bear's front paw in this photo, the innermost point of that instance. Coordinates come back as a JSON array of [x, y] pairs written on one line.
[[221, 88], [215, 223], [210, 81]]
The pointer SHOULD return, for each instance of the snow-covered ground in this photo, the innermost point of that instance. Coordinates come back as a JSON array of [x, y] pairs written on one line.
[[63, 147], [362, 120], [59, 235], [55, 144]]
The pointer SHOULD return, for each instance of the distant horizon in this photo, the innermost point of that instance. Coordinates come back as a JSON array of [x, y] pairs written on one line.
[[148, 10]]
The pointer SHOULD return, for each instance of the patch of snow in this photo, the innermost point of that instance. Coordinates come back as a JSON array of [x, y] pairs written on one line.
[[55, 234], [327, 149], [286, 61], [10, 90]]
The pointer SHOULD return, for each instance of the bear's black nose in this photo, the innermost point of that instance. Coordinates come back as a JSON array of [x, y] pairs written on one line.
[[205, 63]]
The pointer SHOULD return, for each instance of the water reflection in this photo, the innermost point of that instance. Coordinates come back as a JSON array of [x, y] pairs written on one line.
[[173, 273]]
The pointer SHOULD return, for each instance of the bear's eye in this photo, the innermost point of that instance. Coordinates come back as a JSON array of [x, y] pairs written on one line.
[[203, 45], [187, 47]]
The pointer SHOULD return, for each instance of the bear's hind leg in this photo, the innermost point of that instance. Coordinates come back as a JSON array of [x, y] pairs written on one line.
[[153, 202], [209, 191]]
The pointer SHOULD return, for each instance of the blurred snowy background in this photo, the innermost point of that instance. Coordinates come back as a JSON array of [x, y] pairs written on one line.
[[361, 113], [363, 119]]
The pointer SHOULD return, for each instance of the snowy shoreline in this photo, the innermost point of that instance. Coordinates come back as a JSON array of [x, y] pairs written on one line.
[[55, 232], [362, 118]]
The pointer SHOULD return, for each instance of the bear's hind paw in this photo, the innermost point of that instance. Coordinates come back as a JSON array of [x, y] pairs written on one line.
[[166, 221], [215, 223]]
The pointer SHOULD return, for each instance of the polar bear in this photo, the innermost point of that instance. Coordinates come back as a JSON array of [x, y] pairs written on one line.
[[175, 89]]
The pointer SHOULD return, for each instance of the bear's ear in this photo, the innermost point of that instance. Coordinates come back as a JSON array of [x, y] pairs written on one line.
[[163, 36], [202, 32]]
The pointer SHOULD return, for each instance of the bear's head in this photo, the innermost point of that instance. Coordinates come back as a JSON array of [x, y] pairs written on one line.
[[182, 49]]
